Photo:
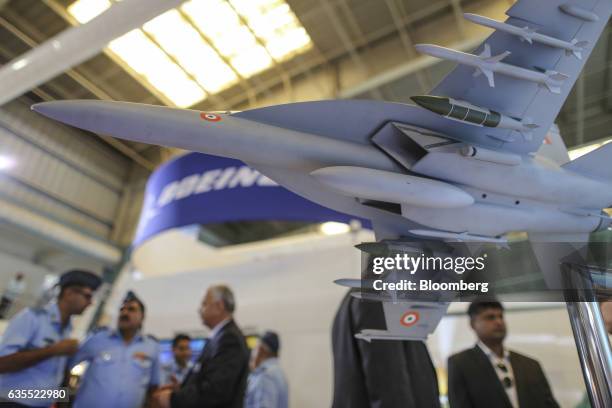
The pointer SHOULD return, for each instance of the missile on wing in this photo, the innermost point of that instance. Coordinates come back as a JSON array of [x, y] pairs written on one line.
[[492, 156], [380, 185], [374, 248], [373, 334], [465, 112], [385, 248], [462, 237], [353, 283], [487, 65], [574, 47]]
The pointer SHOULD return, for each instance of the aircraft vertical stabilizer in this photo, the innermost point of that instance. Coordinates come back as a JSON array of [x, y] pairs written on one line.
[[595, 164]]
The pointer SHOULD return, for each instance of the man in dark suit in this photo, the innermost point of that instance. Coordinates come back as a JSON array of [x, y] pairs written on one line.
[[488, 375], [380, 373], [218, 379]]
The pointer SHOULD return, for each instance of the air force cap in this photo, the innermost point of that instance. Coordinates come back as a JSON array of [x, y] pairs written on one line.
[[130, 296], [271, 340], [78, 277]]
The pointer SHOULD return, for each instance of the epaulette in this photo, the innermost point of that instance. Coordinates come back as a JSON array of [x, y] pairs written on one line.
[[38, 310], [99, 329], [152, 337]]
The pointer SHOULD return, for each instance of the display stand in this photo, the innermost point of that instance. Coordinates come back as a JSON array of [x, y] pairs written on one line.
[[590, 334]]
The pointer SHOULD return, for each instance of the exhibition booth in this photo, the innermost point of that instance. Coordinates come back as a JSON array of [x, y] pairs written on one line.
[[286, 283]]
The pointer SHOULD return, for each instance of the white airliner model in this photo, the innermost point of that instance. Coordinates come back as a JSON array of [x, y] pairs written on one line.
[[463, 165]]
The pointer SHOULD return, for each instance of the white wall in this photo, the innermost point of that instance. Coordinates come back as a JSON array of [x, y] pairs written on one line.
[[59, 171], [34, 276], [293, 293]]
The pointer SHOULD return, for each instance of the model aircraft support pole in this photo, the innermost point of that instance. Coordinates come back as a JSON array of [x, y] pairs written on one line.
[[593, 350], [591, 338]]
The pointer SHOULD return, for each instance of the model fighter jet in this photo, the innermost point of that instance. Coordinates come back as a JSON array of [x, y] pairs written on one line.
[[463, 165]]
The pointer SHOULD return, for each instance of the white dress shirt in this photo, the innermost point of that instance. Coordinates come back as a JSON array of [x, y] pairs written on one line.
[[505, 360], [218, 328]]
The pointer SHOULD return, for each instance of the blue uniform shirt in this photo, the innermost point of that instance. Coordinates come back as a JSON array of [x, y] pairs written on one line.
[[173, 369], [267, 386], [118, 374], [34, 328]]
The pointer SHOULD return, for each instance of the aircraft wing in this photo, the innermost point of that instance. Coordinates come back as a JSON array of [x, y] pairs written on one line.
[[407, 321], [517, 97]]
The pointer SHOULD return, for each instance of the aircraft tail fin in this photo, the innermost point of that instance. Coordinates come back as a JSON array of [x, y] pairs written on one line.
[[595, 164], [553, 147]]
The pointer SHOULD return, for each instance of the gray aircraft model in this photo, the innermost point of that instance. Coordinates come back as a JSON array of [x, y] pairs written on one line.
[[466, 164]]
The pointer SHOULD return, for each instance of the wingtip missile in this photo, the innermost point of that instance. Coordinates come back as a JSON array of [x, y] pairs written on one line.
[[491, 65], [527, 34]]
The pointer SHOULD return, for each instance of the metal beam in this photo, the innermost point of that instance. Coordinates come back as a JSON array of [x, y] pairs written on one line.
[[398, 13], [36, 91], [350, 17], [411, 67], [349, 45], [85, 83], [40, 225], [60, 10], [458, 12], [65, 50]]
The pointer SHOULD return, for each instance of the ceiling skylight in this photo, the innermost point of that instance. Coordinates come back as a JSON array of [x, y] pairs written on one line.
[[205, 46], [181, 40], [148, 60], [85, 10]]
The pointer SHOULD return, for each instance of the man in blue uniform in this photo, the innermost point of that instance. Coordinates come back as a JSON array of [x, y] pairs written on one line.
[[123, 363], [267, 384], [36, 343], [176, 370]]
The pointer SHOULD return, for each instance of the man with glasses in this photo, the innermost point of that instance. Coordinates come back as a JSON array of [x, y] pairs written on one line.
[[488, 375], [36, 343]]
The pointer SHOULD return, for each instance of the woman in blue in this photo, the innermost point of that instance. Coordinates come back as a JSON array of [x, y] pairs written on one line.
[[123, 363]]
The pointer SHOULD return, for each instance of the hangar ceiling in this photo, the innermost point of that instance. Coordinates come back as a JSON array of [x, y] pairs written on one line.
[[355, 49]]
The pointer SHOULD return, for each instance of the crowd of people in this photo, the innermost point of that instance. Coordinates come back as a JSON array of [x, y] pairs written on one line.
[[123, 370], [37, 353]]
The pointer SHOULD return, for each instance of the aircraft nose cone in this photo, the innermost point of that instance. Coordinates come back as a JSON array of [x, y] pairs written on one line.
[[44, 108], [61, 111]]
